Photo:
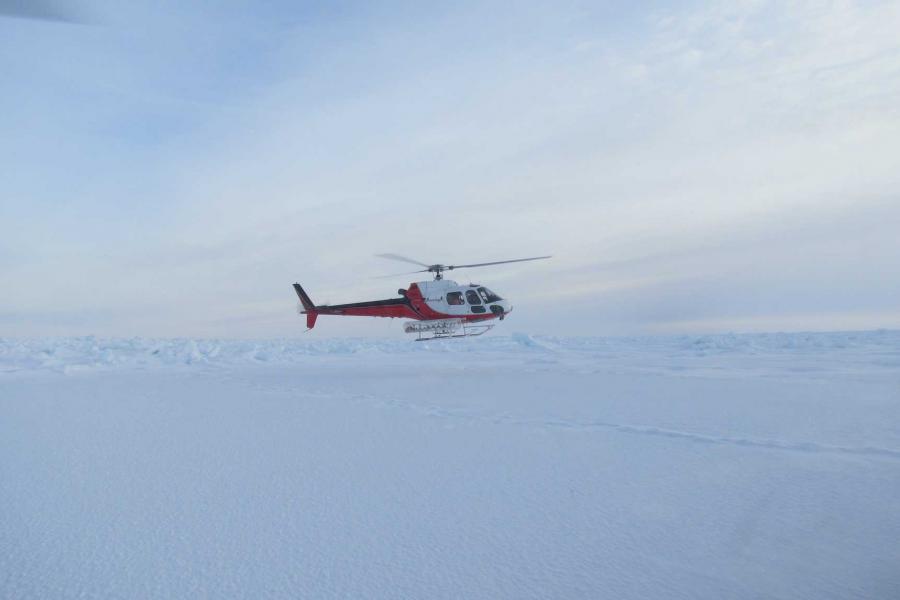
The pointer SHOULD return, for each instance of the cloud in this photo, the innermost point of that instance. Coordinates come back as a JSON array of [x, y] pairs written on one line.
[[43, 10], [681, 165]]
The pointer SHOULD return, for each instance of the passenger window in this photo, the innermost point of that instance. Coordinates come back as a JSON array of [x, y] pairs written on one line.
[[472, 297], [455, 299]]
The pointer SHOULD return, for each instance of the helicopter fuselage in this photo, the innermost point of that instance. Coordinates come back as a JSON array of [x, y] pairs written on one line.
[[421, 301], [442, 298]]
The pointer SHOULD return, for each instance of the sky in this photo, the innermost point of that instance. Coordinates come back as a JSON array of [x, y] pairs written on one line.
[[170, 168]]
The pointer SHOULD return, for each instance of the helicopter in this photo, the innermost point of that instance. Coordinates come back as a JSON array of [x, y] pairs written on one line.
[[439, 308]]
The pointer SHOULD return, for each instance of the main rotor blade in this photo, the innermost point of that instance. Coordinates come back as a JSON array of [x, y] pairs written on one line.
[[499, 262], [399, 274], [402, 259]]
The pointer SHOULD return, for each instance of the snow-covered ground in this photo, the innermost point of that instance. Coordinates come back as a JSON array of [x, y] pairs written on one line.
[[737, 466]]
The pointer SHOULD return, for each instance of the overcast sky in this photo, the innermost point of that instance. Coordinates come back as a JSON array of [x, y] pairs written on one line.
[[170, 170]]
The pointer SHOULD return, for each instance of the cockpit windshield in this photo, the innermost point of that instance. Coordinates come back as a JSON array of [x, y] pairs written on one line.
[[488, 296]]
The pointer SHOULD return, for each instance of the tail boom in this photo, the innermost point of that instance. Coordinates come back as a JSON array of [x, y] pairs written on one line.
[[394, 308]]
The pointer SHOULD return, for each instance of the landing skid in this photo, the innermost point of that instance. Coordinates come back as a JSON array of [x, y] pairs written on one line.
[[468, 331], [447, 328]]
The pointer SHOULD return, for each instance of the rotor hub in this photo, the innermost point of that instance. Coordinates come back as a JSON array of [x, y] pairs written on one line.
[[438, 271]]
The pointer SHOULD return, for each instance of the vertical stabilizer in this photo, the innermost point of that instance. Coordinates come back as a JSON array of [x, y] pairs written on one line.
[[308, 307]]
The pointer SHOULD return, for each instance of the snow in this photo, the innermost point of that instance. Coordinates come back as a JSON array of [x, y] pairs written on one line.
[[731, 466]]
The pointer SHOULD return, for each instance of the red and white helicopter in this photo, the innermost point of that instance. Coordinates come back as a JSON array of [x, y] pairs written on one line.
[[439, 308]]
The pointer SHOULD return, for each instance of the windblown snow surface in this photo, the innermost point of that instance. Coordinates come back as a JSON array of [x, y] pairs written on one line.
[[736, 466]]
